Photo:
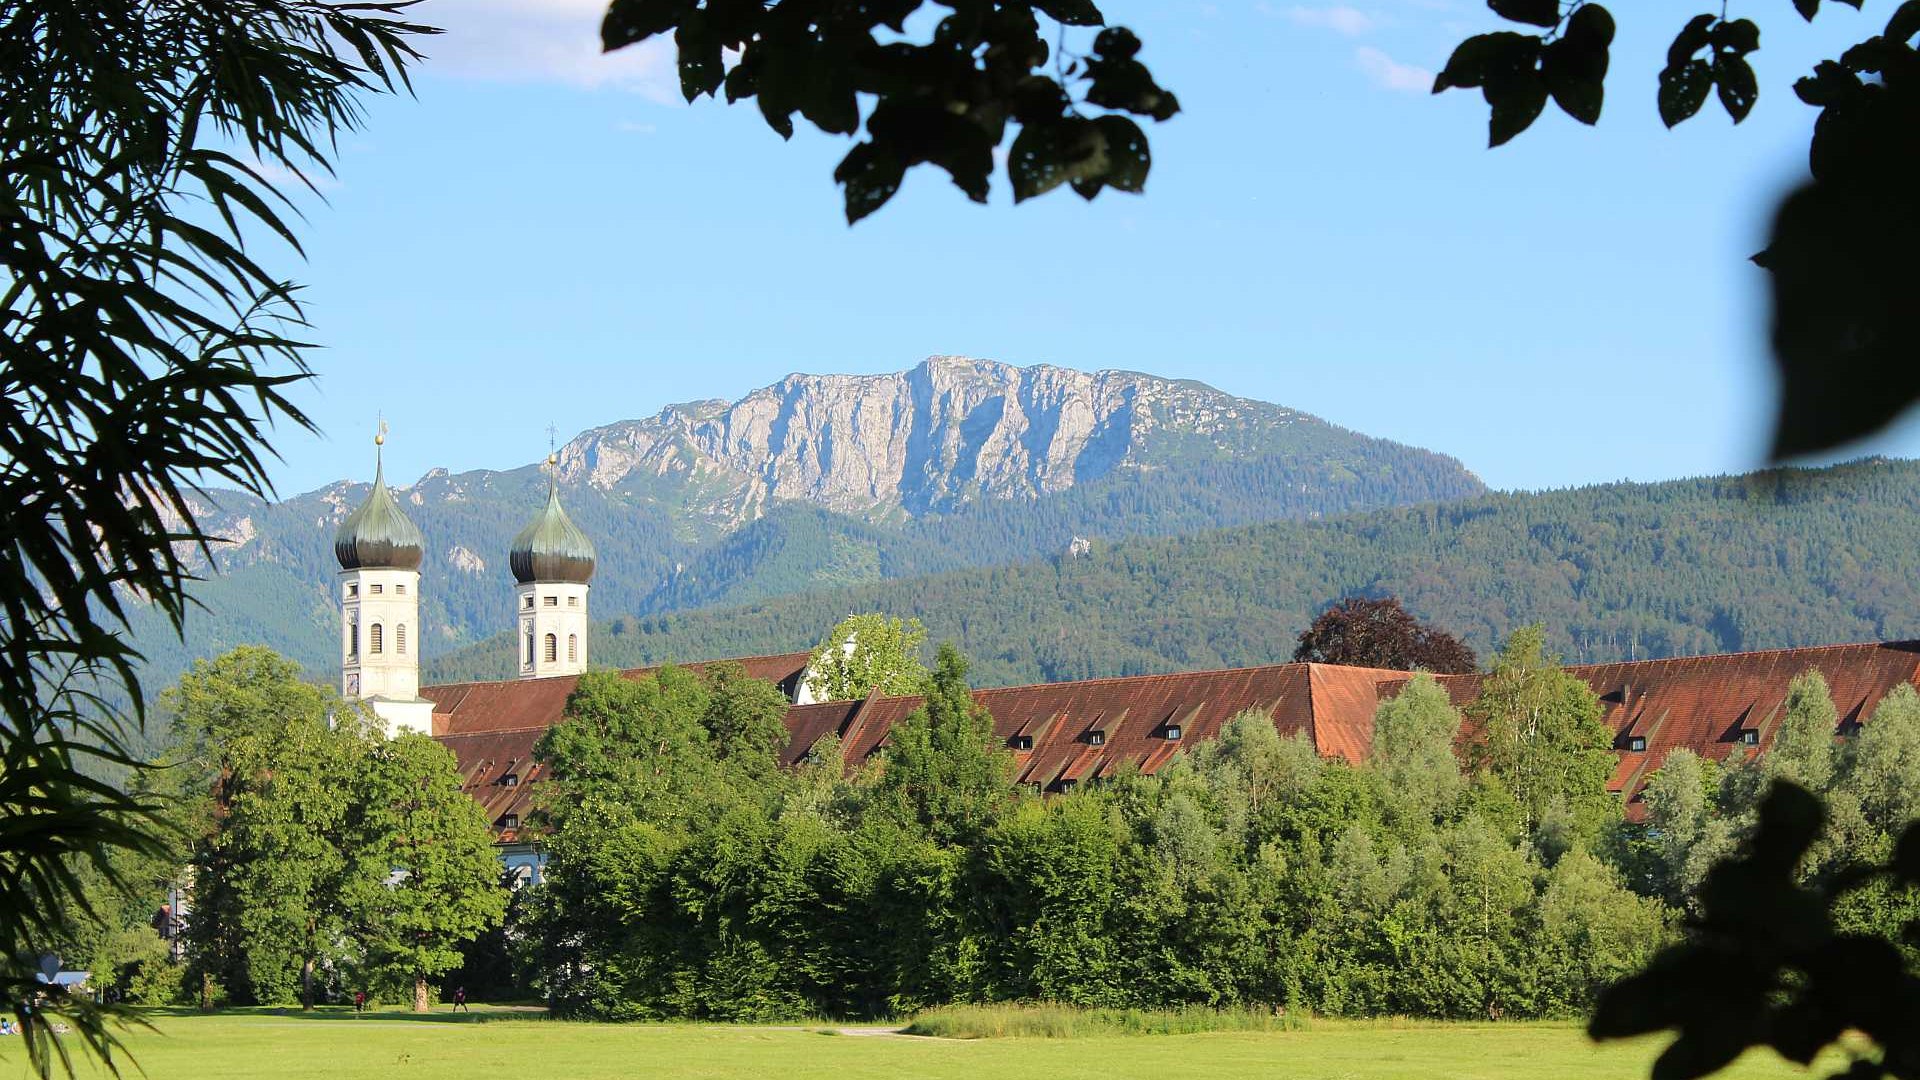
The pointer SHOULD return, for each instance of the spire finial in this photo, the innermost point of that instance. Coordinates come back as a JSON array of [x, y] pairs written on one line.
[[553, 459]]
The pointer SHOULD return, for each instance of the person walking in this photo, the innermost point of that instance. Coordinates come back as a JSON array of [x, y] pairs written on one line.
[[460, 999], [359, 1001]]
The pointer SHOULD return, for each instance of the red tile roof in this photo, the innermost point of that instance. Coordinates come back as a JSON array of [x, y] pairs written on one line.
[[512, 704], [1699, 702]]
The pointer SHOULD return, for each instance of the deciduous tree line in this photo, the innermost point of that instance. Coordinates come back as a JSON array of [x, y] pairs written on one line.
[[1449, 876], [315, 857]]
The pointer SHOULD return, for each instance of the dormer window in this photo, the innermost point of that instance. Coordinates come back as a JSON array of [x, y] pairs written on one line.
[[1021, 742], [1171, 733], [1637, 744], [1096, 737], [1750, 737], [510, 780], [509, 821]]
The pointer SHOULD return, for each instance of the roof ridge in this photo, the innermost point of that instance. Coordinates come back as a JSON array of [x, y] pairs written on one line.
[[1748, 652], [629, 670]]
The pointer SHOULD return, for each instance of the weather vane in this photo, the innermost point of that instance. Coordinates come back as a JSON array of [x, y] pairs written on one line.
[[380, 436]]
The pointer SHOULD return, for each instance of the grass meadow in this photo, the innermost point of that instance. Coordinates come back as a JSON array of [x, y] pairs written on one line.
[[334, 1044]]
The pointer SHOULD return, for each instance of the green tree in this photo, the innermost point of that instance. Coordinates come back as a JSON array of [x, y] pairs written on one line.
[[427, 878], [639, 741], [745, 719], [945, 771], [1414, 735], [1685, 832], [145, 352], [868, 654], [1537, 731], [270, 776], [1881, 765], [1803, 750]]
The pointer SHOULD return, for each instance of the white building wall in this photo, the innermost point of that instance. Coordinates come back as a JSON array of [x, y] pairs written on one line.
[[551, 638]]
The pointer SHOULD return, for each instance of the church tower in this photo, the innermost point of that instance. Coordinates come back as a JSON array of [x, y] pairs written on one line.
[[379, 551], [552, 560]]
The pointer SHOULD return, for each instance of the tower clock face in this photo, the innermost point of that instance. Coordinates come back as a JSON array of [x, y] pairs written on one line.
[[353, 683]]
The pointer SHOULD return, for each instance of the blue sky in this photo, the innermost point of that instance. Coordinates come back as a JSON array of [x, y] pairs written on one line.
[[545, 235]]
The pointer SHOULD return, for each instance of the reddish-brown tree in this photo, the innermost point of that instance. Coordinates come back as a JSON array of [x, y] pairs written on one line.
[[1382, 634]]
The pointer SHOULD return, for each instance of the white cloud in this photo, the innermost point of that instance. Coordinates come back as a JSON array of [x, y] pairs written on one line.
[[634, 127], [1338, 18], [1389, 74], [548, 41]]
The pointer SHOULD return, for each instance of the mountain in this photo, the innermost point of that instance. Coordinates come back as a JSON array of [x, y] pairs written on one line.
[[818, 481], [1620, 571]]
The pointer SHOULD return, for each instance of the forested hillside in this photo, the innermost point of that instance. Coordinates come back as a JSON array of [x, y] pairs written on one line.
[[817, 482], [1791, 557]]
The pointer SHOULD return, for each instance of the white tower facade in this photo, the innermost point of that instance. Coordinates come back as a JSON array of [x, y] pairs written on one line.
[[552, 560], [553, 628], [379, 550], [380, 633]]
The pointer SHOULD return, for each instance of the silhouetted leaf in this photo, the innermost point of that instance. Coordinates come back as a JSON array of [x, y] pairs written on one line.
[[1737, 36], [1128, 158], [1575, 65], [870, 176], [1071, 12], [1691, 39], [1536, 12], [1683, 90], [629, 22], [1515, 107], [1905, 22]]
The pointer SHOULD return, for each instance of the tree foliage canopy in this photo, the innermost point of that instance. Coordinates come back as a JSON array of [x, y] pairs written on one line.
[[947, 101], [1380, 633], [867, 654], [143, 349], [318, 845]]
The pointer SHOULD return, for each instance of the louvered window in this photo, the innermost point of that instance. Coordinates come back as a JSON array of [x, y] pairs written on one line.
[[573, 647], [400, 638], [553, 648], [375, 639]]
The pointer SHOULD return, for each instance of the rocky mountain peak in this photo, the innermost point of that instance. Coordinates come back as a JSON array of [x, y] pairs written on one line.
[[947, 431]]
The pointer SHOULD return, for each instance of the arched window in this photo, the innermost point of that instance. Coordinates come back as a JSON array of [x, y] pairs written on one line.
[[529, 645], [553, 648], [353, 640], [374, 639], [573, 647], [400, 638]]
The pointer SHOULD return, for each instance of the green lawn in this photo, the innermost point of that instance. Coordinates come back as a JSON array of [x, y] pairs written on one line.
[[333, 1044]]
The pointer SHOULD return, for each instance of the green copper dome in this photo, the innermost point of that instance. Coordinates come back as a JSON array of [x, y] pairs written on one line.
[[377, 535], [552, 547]]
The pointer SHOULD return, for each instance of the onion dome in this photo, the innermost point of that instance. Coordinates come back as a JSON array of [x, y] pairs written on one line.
[[551, 547], [377, 535]]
